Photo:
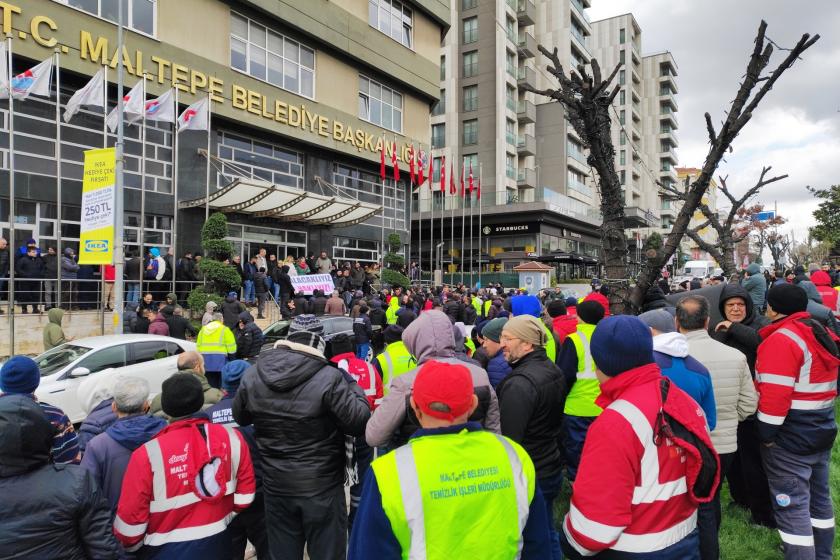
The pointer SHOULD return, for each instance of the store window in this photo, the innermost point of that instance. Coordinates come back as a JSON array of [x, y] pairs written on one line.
[[271, 57], [244, 157], [138, 15], [380, 105], [393, 18]]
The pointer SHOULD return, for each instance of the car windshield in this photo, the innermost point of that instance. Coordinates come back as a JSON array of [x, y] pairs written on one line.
[[59, 357], [337, 325]]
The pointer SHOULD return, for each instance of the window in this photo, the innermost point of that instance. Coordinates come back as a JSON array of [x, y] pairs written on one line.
[[470, 98], [510, 63], [665, 127], [392, 18], [438, 135], [249, 158], [510, 166], [470, 132], [442, 68], [351, 249], [511, 30], [157, 230], [380, 105], [577, 183], [622, 116], [622, 157], [622, 97], [622, 138], [510, 132], [664, 145], [622, 77], [622, 35], [138, 15], [622, 55], [440, 106], [622, 177], [666, 165], [271, 57], [470, 64], [468, 4], [436, 170], [470, 30], [148, 351], [510, 97], [111, 357], [367, 187]]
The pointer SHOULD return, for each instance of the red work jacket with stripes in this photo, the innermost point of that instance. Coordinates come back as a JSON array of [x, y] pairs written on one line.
[[796, 378], [630, 495], [169, 503]]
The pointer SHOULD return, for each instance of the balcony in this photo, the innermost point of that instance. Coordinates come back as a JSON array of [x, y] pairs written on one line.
[[526, 112], [669, 136], [579, 41], [669, 99], [526, 145], [579, 13], [526, 13], [526, 77], [669, 115], [636, 217], [510, 137], [668, 79], [527, 45], [670, 155], [526, 178]]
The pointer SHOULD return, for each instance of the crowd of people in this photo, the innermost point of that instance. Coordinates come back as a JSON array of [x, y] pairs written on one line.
[[455, 440]]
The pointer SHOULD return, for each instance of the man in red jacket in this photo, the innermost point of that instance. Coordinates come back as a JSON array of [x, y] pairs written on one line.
[[634, 495], [182, 488], [796, 374]]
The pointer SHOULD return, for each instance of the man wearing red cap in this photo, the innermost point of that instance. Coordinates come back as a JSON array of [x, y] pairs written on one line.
[[454, 490]]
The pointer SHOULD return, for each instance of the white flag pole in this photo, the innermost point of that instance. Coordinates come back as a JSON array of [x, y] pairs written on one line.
[[12, 247], [419, 231], [209, 132], [142, 238], [451, 226], [432, 222], [463, 201], [472, 237], [442, 215], [55, 296], [119, 199], [175, 191], [479, 226]]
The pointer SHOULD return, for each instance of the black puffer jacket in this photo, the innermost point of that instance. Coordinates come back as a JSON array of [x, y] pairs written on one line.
[[531, 400], [742, 336], [231, 308], [49, 511], [454, 309], [250, 339], [301, 408]]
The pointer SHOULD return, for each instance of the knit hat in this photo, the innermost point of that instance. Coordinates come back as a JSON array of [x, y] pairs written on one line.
[[392, 334], [659, 319], [493, 329], [308, 323], [590, 312], [20, 375], [443, 391], [308, 338], [181, 395], [571, 302], [621, 343], [525, 305], [232, 374], [528, 329], [786, 299]]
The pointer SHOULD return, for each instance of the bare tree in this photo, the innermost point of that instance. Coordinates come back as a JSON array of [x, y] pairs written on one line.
[[587, 102], [779, 245]]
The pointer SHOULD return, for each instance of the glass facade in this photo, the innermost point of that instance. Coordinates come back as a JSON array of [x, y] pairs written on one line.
[[392, 18], [367, 187], [380, 105], [255, 159]]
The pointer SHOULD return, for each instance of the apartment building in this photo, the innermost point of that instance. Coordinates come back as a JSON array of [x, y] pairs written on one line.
[[708, 234]]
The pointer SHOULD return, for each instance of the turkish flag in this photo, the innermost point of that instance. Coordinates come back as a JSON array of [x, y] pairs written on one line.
[[431, 170], [478, 194], [420, 177], [394, 162], [452, 189], [411, 158], [443, 175], [463, 194], [471, 178], [382, 161]]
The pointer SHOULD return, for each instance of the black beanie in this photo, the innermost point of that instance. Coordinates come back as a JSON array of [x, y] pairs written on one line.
[[181, 395], [590, 312], [787, 299]]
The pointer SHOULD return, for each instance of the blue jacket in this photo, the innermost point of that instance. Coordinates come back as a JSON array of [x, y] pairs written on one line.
[[108, 453], [99, 419], [671, 355], [373, 537], [497, 369]]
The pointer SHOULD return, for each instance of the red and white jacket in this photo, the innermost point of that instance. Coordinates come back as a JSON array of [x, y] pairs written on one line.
[[796, 378], [630, 495], [365, 375], [168, 506]]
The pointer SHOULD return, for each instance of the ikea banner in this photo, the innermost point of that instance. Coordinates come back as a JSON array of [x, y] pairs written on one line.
[[96, 244]]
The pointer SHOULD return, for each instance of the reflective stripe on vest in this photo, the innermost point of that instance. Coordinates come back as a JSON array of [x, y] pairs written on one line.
[[550, 345], [581, 398], [394, 361], [803, 384], [370, 390], [424, 492], [218, 347]]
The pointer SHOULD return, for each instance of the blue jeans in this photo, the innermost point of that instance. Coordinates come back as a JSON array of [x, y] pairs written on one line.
[[132, 292], [276, 290], [362, 350], [249, 291], [550, 487]]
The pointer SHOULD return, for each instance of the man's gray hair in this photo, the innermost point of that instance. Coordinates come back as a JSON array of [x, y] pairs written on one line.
[[218, 317], [131, 394], [692, 313]]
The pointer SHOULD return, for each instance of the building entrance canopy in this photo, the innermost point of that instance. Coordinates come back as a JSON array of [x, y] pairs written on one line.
[[264, 199]]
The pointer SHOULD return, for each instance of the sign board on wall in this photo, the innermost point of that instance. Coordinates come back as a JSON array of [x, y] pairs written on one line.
[[96, 243], [510, 229], [311, 282]]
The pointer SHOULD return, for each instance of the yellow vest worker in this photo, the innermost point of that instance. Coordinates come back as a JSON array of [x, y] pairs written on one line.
[[215, 342], [394, 361], [391, 312], [454, 491]]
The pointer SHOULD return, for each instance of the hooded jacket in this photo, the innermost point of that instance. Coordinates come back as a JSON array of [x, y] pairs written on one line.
[[180, 326], [429, 337], [159, 326], [107, 454], [209, 309], [69, 266], [231, 308], [497, 368], [301, 408], [97, 421], [129, 317], [828, 294], [49, 510], [377, 314], [755, 285], [211, 396], [817, 310], [742, 336], [53, 333], [670, 351], [249, 339]]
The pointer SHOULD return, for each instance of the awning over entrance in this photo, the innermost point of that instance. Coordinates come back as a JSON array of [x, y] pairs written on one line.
[[264, 199]]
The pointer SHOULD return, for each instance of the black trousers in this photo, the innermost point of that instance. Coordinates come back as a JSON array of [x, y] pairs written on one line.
[[747, 479], [250, 526], [319, 522], [708, 516]]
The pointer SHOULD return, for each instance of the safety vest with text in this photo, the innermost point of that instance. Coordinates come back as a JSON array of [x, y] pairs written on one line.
[[457, 495], [215, 341], [394, 361], [581, 399]]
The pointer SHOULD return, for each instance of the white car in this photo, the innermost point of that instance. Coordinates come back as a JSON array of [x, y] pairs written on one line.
[[65, 367]]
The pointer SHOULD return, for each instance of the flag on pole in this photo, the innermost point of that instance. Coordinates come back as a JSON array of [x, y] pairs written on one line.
[[478, 192], [412, 158], [132, 107], [382, 161], [35, 81], [93, 94], [394, 161], [471, 178], [196, 116], [463, 193], [431, 170], [452, 189], [162, 108], [421, 166], [443, 175]]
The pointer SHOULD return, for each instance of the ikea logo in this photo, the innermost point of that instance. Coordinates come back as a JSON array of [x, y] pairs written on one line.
[[96, 246]]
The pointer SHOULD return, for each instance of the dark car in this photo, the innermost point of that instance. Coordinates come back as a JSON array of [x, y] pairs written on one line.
[[333, 325]]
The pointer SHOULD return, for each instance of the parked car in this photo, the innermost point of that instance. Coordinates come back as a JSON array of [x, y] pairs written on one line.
[[64, 367], [333, 325]]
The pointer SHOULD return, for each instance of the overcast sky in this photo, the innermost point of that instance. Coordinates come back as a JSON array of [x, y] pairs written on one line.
[[796, 128]]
